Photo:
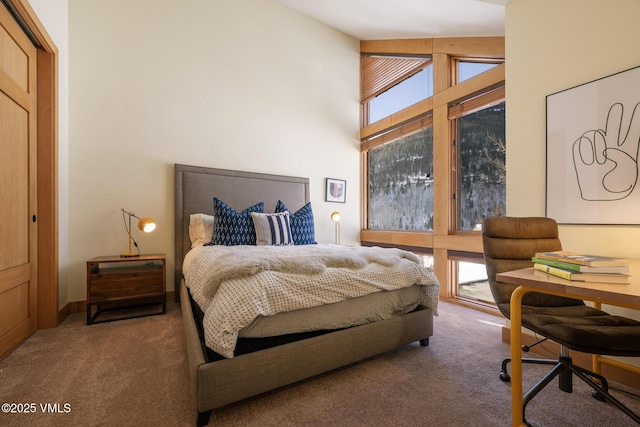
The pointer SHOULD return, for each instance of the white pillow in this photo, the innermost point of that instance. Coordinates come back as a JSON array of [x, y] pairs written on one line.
[[272, 229], [200, 229]]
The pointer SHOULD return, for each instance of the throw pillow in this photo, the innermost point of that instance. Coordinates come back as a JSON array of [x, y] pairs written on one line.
[[302, 227], [231, 227], [272, 229], [200, 229]]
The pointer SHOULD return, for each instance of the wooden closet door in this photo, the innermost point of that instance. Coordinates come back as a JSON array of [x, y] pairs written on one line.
[[18, 190]]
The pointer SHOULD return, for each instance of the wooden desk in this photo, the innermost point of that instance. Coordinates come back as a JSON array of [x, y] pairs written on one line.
[[531, 280]]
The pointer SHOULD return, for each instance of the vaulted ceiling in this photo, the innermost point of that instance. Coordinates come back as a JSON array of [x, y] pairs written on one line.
[[399, 19]]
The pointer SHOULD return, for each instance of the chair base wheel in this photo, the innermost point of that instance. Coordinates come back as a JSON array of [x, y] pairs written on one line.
[[505, 377], [598, 396]]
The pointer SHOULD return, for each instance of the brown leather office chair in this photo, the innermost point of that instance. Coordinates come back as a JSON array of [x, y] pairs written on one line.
[[509, 244]]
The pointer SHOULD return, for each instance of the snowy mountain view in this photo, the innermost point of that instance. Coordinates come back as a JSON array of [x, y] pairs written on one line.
[[401, 175]]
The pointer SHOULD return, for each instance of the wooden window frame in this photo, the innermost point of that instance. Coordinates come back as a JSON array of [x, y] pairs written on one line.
[[448, 101]]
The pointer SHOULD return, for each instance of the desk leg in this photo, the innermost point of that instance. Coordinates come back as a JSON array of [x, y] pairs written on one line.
[[596, 366], [516, 356]]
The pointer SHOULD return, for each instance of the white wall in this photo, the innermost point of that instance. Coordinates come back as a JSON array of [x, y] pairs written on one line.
[[234, 84], [550, 46]]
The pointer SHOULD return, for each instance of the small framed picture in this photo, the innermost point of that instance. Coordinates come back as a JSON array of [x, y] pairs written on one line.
[[336, 190]]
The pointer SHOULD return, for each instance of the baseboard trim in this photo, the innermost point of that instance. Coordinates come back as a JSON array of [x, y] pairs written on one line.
[[74, 307], [614, 373]]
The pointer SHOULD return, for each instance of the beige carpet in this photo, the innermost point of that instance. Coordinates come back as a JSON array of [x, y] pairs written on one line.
[[125, 373], [134, 373]]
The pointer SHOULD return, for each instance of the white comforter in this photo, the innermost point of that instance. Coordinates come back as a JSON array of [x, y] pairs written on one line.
[[233, 285]]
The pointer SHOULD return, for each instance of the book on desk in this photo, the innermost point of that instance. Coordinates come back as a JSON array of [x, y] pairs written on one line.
[[582, 267], [583, 259], [620, 269], [583, 277]]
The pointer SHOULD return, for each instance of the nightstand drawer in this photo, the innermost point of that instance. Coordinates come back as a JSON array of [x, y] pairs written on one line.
[[124, 284]]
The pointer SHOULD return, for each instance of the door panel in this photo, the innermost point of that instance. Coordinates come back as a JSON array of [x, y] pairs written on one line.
[[14, 307], [15, 62], [18, 190], [14, 174]]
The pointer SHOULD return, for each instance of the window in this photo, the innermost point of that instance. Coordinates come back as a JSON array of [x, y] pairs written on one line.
[[400, 183], [469, 69], [390, 83], [400, 158], [406, 93], [481, 149], [473, 282]]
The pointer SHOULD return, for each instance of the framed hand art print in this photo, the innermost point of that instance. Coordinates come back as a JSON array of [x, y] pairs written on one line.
[[593, 133], [336, 190]]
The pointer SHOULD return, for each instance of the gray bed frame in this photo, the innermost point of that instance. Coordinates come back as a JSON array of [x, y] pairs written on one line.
[[219, 383]]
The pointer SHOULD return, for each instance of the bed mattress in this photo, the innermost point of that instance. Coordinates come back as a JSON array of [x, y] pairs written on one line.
[[381, 294]]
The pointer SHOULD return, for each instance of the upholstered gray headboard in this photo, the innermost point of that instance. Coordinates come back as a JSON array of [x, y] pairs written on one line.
[[195, 188]]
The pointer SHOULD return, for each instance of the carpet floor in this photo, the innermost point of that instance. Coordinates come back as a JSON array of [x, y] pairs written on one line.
[[134, 373]]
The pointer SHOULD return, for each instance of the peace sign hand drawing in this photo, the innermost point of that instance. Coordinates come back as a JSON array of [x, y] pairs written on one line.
[[606, 161]]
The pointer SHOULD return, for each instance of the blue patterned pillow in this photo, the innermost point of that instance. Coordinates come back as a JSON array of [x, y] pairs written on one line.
[[232, 228], [302, 228], [272, 229]]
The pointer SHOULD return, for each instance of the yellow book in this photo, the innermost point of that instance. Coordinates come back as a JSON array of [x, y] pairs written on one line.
[[553, 270]]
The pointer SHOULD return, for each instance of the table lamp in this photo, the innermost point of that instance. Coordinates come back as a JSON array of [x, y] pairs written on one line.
[[335, 217], [145, 224]]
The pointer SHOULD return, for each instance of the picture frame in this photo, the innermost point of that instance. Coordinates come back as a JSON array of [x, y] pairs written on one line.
[[592, 139], [336, 190]]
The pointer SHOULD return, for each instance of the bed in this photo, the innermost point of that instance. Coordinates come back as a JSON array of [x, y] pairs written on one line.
[[262, 364]]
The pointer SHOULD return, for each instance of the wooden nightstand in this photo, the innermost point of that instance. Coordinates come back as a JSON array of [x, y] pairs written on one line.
[[114, 283]]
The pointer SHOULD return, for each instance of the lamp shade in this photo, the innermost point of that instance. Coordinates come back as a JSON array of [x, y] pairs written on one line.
[[147, 224], [336, 217]]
